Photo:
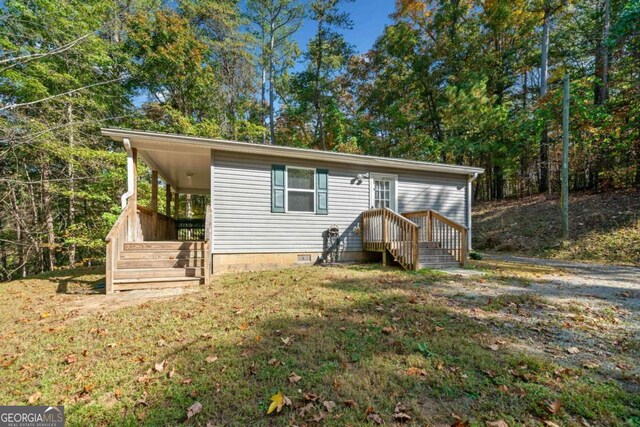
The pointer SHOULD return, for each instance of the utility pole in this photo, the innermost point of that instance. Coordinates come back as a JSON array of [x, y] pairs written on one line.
[[564, 200]]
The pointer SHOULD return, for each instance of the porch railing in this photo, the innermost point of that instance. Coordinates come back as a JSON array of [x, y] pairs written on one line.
[[154, 226], [384, 229], [191, 228], [435, 227], [123, 231]]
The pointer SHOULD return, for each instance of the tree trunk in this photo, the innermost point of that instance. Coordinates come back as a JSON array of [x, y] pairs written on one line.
[[272, 125], [263, 102], [19, 239], [601, 90], [543, 179], [48, 215], [187, 206], [72, 195], [317, 95]]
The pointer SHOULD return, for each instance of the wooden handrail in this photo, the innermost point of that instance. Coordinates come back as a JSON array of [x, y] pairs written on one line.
[[385, 230], [116, 238], [449, 234]]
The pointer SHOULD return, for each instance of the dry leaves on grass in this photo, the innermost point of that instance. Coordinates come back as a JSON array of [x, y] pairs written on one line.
[[499, 423], [370, 415], [211, 359], [159, 366], [34, 397], [400, 413], [294, 378], [278, 401], [329, 404], [554, 407], [194, 410]]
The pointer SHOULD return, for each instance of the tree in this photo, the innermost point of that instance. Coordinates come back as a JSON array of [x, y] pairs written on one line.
[[274, 23]]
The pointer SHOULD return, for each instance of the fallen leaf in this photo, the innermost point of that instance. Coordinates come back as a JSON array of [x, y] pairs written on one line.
[[34, 397], [194, 409], [321, 416], [211, 359], [494, 347], [278, 401], [272, 361], [375, 418], [554, 407], [294, 378], [329, 404], [171, 373], [117, 393], [573, 350], [350, 403], [550, 424], [311, 397], [399, 413], [243, 326], [187, 381], [306, 409], [71, 359], [499, 423], [159, 367], [387, 330], [162, 343], [416, 371], [286, 341], [439, 328], [87, 388]]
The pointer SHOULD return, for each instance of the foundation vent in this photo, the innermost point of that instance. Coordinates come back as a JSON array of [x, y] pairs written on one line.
[[304, 258]]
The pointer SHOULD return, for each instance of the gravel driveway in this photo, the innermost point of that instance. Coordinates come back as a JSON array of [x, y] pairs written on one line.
[[582, 315]]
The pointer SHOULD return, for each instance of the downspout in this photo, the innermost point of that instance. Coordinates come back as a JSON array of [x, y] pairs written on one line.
[[131, 185], [469, 200]]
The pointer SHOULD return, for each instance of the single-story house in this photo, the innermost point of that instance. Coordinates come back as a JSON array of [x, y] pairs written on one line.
[[273, 206]]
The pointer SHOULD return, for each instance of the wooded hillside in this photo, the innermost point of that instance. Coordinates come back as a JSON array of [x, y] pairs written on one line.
[[461, 81]]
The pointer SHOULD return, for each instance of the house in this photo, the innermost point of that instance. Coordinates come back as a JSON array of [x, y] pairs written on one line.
[[273, 206]]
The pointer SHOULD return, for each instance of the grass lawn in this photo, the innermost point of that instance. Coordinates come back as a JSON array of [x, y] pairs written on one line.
[[357, 345]]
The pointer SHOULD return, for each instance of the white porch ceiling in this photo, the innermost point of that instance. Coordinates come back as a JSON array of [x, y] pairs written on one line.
[[187, 168]]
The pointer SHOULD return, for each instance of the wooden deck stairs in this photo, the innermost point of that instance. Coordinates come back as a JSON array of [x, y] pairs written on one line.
[[143, 253], [167, 264], [423, 239]]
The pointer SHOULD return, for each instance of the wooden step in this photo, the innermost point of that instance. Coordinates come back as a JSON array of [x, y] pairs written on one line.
[[160, 263], [160, 254], [429, 245], [164, 245], [439, 265], [435, 258], [158, 273], [129, 285], [434, 251]]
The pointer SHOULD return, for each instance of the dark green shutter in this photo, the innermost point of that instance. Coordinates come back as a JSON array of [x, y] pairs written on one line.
[[322, 192], [277, 188]]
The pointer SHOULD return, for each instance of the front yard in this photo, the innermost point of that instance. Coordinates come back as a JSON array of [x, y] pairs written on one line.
[[357, 345]]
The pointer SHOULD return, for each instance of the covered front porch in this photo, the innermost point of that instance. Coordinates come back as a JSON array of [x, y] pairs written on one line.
[[163, 244]]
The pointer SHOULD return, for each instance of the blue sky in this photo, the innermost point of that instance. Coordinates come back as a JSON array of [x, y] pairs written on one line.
[[369, 19]]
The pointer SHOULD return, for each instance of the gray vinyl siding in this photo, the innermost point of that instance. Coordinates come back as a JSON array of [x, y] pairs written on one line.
[[243, 221]]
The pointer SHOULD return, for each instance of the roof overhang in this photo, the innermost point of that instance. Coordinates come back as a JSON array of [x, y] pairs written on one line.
[[154, 141]]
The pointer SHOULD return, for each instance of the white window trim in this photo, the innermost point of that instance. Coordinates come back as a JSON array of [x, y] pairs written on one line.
[[286, 190], [386, 176]]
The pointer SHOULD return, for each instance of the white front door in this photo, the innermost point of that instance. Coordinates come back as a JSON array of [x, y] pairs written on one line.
[[383, 191]]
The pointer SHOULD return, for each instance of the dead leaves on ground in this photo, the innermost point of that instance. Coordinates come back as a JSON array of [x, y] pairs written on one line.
[[278, 401]]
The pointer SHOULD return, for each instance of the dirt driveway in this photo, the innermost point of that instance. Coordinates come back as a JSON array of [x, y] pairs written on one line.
[[584, 316]]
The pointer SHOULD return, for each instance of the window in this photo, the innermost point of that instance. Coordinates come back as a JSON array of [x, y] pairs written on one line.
[[300, 190], [296, 189]]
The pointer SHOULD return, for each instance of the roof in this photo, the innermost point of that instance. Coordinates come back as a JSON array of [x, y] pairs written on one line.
[[291, 152]]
